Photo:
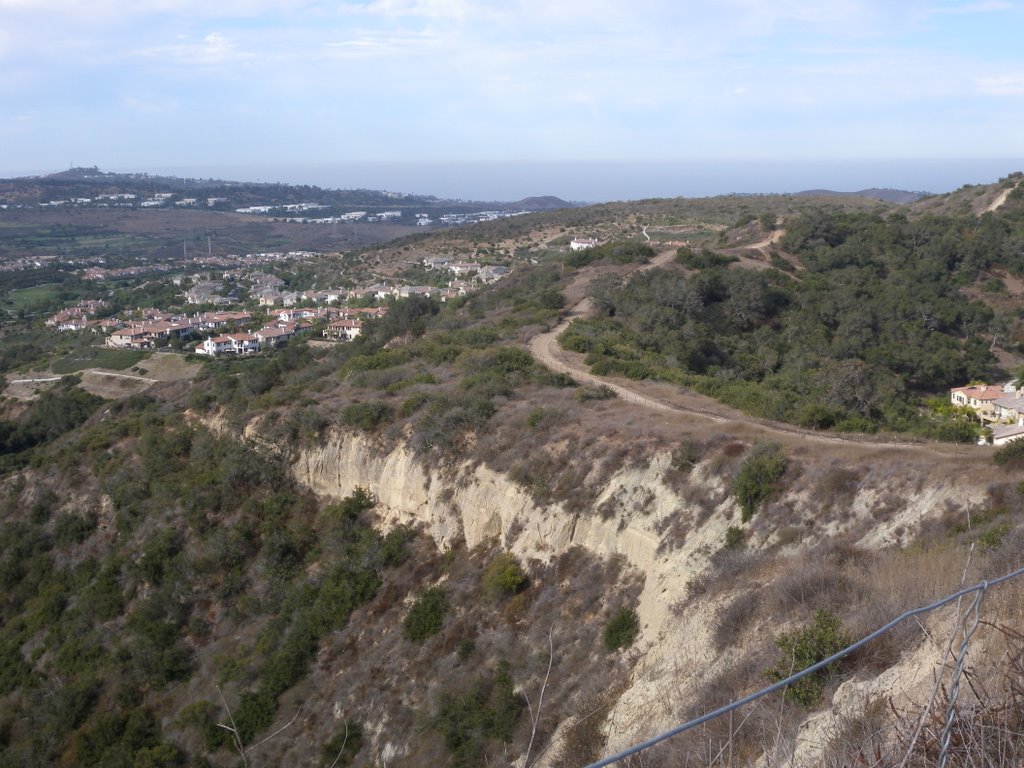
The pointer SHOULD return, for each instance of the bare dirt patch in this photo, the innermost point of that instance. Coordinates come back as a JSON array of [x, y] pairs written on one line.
[[162, 367], [28, 386], [167, 366]]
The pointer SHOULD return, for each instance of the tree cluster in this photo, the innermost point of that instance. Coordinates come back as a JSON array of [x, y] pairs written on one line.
[[876, 321]]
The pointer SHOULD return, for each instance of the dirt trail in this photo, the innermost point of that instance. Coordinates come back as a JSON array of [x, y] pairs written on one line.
[[762, 245], [706, 412], [1000, 199]]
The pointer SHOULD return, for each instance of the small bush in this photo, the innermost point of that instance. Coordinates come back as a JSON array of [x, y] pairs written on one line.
[[757, 480], [804, 647], [621, 630], [601, 392], [367, 416], [344, 746], [541, 417], [733, 537], [426, 617], [706, 259], [1011, 454], [413, 403], [468, 719], [254, 713], [503, 577], [685, 456]]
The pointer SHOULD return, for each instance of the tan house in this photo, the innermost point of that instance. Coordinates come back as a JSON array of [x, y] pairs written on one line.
[[345, 330], [980, 398], [130, 338], [270, 337]]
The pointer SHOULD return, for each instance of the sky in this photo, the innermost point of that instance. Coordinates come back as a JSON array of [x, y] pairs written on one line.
[[603, 99]]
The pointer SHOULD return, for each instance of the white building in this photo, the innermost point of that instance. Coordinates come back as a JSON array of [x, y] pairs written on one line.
[[231, 344]]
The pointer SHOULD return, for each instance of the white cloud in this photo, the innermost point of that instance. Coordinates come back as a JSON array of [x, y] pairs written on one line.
[[365, 44], [213, 50], [1011, 84], [983, 6], [456, 10], [150, 105]]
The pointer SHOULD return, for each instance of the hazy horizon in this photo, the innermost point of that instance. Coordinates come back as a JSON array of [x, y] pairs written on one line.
[[530, 92], [594, 182]]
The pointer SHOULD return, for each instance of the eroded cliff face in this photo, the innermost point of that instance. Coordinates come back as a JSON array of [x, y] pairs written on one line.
[[475, 504], [666, 530]]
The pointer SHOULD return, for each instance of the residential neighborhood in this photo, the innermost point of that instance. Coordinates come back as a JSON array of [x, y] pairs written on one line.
[[340, 314]]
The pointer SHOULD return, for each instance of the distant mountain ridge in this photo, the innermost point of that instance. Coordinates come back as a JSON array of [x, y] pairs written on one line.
[[83, 182], [898, 196], [545, 203]]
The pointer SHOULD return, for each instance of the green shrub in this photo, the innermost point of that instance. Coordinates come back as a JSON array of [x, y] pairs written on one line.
[[426, 617], [685, 456], [805, 647], [551, 299], [504, 576], [392, 548], [706, 259], [254, 713], [621, 252], [1011, 454], [542, 417], [367, 416], [413, 403], [600, 392], [72, 529], [733, 537], [344, 746], [467, 719], [622, 630], [757, 480]]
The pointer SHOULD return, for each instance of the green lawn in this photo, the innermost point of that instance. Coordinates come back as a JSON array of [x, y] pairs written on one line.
[[23, 298], [98, 357]]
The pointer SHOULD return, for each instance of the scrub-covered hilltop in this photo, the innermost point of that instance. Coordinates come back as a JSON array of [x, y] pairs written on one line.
[[425, 546]]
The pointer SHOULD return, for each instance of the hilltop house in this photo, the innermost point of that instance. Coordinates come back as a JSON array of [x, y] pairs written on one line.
[[582, 243], [491, 274], [437, 262], [270, 337], [980, 398], [1001, 405], [230, 343], [344, 329]]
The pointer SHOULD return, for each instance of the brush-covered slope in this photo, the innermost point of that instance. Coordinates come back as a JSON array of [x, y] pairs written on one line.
[[427, 547]]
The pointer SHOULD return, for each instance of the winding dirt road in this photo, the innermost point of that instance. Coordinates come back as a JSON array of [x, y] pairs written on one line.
[[705, 411]]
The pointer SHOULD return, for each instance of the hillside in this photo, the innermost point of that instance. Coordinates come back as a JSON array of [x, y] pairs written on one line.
[[542, 521], [898, 196], [92, 182]]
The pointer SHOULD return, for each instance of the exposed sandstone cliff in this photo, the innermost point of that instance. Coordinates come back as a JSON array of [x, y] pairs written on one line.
[[667, 532]]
